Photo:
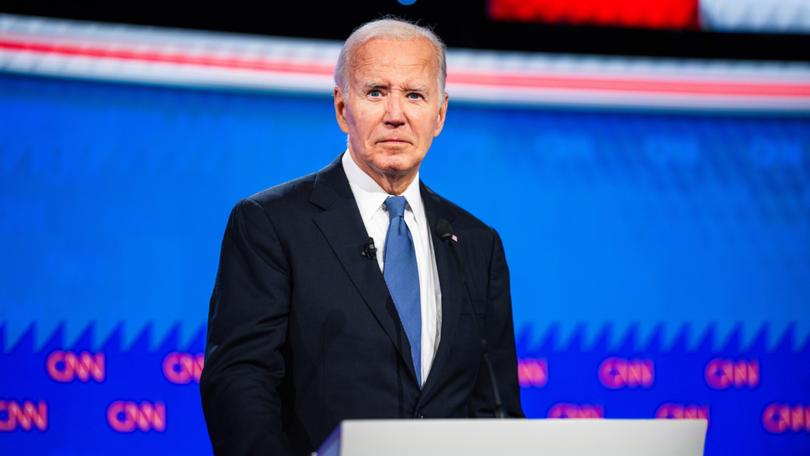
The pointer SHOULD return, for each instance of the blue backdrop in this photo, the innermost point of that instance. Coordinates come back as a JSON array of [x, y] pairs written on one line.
[[660, 261]]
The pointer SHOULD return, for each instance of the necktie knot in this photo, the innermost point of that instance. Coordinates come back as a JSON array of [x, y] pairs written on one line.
[[395, 206]]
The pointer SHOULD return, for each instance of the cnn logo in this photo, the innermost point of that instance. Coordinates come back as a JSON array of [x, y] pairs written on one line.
[[576, 411], [532, 373], [183, 368], [129, 416], [26, 416], [617, 373], [66, 366], [724, 373], [780, 418], [675, 411]]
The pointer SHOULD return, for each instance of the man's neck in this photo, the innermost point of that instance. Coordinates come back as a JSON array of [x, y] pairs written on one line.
[[393, 185]]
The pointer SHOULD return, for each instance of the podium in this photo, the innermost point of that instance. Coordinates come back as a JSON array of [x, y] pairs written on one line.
[[546, 437]]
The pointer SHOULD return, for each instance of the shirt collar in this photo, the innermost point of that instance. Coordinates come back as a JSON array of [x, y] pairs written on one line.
[[370, 196]]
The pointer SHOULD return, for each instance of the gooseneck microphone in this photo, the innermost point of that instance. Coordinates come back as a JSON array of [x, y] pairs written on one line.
[[445, 232]]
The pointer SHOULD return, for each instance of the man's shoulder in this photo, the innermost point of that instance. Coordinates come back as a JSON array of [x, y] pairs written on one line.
[[295, 191], [282, 205], [299, 191], [462, 219]]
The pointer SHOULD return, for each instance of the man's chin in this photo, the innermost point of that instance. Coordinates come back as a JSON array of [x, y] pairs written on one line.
[[398, 170], [395, 171]]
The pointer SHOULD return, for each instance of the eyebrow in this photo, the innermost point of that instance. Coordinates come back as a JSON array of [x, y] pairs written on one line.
[[380, 85], [374, 85], [418, 88]]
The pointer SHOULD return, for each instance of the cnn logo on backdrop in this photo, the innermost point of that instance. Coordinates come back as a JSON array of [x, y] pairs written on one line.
[[618, 373], [23, 415], [779, 418], [532, 372], [131, 416], [183, 368], [723, 373], [678, 411], [576, 411], [67, 366]]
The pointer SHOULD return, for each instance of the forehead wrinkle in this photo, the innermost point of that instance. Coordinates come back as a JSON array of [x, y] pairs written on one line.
[[373, 68], [368, 69], [372, 64]]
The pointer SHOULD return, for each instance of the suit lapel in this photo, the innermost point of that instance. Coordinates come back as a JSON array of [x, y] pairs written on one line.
[[451, 285], [343, 228]]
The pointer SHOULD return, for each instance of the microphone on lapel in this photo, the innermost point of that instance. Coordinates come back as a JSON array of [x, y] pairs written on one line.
[[369, 250], [444, 230]]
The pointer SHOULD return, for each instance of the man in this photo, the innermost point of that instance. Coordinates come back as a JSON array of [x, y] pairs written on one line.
[[357, 292]]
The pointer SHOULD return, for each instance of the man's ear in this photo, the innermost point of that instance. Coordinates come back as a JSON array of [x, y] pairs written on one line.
[[340, 110], [442, 115]]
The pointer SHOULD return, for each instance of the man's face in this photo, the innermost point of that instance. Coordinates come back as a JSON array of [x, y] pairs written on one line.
[[393, 108]]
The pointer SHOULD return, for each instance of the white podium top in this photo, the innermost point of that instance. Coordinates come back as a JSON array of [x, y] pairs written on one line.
[[546, 437]]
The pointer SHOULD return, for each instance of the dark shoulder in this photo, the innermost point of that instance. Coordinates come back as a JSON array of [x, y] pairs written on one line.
[[281, 205], [462, 219], [296, 195], [290, 192], [478, 243]]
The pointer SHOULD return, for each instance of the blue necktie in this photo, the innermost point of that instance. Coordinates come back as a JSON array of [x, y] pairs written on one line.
[[402, 277]]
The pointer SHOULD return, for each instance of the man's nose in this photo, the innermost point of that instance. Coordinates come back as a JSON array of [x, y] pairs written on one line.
[[394, 115]]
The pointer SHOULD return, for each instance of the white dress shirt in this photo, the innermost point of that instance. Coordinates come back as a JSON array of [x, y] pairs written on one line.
[[370, 198]]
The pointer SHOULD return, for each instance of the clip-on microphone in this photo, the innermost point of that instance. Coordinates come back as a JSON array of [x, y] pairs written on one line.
[[369, 250]]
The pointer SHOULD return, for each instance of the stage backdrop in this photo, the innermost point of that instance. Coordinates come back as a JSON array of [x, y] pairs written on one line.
[[660, 260]]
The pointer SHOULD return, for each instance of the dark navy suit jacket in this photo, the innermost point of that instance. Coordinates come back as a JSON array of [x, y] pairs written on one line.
[[302, 332]]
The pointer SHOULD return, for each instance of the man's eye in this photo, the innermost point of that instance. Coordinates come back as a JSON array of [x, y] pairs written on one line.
[[375, 93], [415, 96]]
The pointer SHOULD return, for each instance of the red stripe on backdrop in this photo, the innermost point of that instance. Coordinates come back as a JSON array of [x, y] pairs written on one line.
[[729, 88], [476, 78], [668, 14], [164, 57]]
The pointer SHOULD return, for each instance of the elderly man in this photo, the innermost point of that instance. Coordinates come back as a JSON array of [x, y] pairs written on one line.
[[358, 292]]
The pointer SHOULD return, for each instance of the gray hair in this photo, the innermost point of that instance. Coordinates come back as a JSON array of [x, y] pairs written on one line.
[[390, 28]]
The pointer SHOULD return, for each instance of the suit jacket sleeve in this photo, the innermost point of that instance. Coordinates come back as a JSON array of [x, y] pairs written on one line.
[[500, 335], [247, 325]]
